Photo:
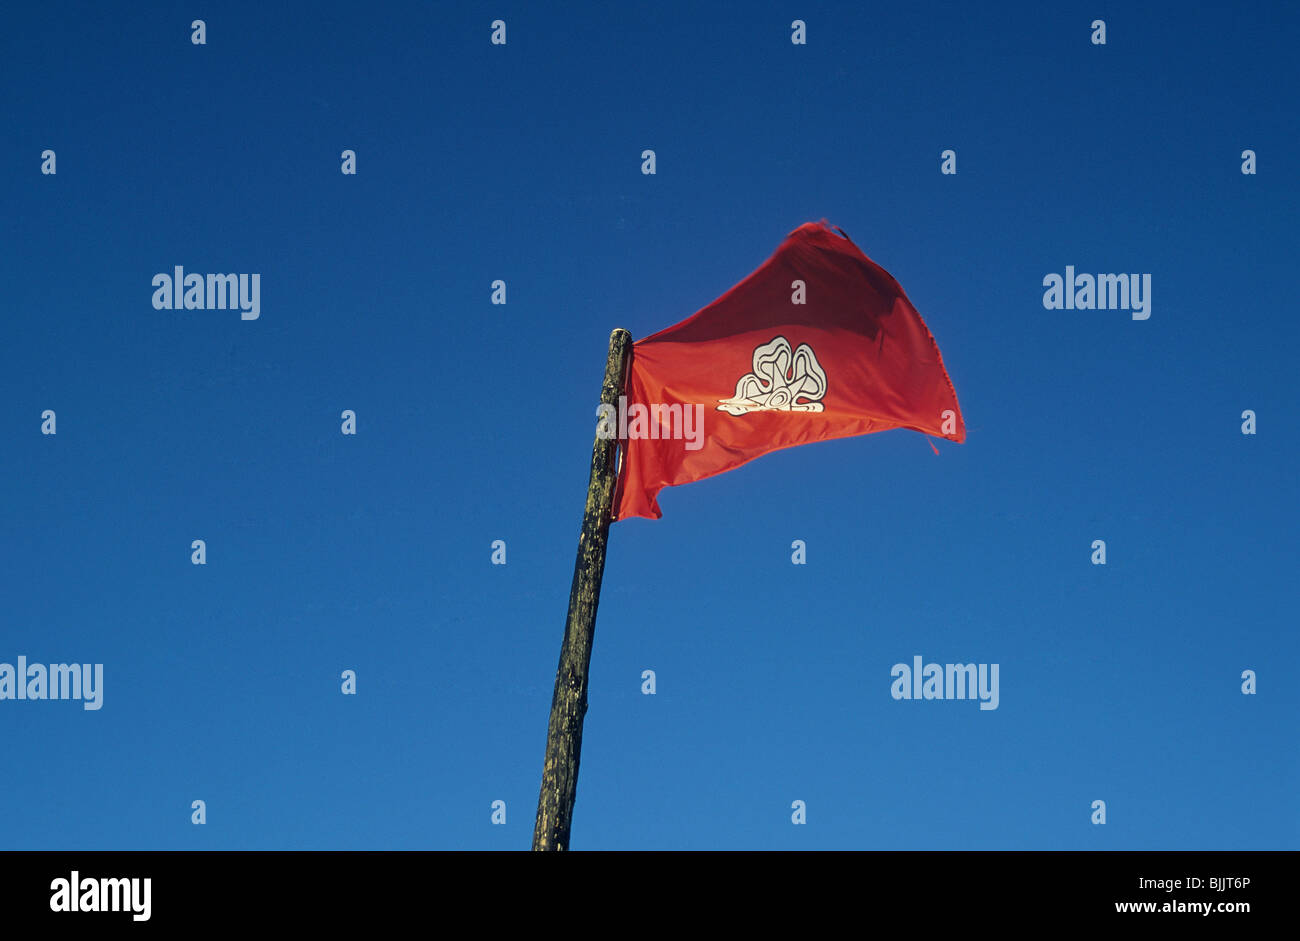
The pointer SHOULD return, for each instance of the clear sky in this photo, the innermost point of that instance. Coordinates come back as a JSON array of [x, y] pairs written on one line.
[[477, 162]]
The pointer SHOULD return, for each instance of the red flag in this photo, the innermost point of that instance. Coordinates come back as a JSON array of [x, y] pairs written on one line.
[[820, 342]]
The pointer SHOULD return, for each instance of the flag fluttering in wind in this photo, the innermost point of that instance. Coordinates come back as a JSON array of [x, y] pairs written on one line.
[[820, 342]]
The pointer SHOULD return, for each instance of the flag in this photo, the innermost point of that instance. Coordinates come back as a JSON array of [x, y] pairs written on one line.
[[820, 342]]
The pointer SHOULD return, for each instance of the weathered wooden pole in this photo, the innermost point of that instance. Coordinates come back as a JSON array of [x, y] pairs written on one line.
[[569, 703]]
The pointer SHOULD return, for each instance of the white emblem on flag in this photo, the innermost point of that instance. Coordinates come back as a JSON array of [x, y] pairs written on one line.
[[782, 381]]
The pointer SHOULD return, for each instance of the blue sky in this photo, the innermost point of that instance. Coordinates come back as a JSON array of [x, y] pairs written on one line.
[[522, 162]]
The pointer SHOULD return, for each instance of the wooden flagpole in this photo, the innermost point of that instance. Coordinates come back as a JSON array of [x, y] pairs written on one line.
[[569, 703]]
